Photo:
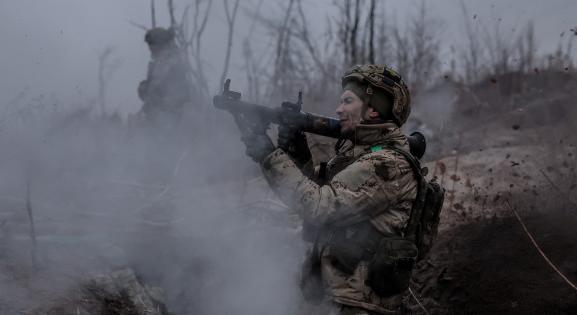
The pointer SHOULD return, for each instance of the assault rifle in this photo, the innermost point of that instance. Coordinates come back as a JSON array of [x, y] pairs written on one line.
[[260, 117]]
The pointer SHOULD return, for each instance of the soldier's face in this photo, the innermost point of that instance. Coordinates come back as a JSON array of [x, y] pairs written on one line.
[[349, 111]]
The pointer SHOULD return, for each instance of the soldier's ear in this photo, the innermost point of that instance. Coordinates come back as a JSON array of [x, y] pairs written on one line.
[[372, 113]]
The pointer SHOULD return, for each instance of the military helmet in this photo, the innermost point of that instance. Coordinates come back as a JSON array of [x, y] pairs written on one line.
[[387, 79], [159, 36]]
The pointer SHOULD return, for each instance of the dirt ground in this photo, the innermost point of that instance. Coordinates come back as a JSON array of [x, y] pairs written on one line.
[[490, 267], [483, 261]]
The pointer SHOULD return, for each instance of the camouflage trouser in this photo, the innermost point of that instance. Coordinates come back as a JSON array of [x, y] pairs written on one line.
[[340, 309]]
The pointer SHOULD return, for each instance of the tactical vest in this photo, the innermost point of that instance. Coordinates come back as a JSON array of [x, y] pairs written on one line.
[[390, 259]]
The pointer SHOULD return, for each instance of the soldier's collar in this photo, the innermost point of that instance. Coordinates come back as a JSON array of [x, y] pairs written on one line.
[[370, 134]]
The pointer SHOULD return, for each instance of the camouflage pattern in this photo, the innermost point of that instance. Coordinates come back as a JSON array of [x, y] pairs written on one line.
[[361, 185], [387, 79], [348, 310]]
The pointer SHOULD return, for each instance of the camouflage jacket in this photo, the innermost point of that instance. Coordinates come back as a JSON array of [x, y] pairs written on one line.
[[363, 182]]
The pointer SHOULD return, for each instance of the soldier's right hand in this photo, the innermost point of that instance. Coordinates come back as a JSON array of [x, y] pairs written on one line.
[[258, 146]]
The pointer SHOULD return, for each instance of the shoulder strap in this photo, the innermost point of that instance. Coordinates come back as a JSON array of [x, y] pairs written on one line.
[[413, 229]]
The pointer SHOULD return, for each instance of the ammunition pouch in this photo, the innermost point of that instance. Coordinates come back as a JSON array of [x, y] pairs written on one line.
[[389, 272], [351, 245], [390, 261]]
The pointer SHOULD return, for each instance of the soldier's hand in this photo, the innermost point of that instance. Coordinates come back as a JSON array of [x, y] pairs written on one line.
[[294, 142], [258, 146]]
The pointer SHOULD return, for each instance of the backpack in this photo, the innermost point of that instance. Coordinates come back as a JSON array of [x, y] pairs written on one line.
[[425, 215]]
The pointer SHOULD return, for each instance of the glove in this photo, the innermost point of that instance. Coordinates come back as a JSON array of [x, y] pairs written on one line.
[[294, 142], [258, 146]]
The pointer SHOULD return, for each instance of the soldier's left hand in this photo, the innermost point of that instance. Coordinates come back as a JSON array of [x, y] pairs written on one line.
[[258, 146], [294, 142]]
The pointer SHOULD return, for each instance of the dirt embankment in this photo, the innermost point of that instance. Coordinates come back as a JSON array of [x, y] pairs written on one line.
[[524, 156]]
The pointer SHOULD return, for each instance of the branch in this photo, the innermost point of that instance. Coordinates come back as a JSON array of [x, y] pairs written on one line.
[[372, 31], [138, 25], [304, 37], [230, 19], [354, 32], [199, 31], [171, 13], [153, 13]]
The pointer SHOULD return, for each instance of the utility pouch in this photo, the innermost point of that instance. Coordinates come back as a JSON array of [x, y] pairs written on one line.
[[346, 256], [351, 245], [389, 272]]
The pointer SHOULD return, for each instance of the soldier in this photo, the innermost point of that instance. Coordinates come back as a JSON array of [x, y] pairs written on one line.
[[166, 91], [355, 208]]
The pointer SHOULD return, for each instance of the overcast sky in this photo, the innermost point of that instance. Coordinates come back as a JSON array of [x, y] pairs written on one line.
[[51, 47]]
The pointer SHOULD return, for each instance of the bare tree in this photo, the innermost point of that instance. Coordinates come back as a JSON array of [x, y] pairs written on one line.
[[561, 59], [171, 13], [358, 33], [283, 58], [499, 50], [371, 22], [526, 49], [303, 34], [251, 63], [354, 30], [417, 49], [189, 39], [425, 61], [230, 19], [402, 52], [152, 13]]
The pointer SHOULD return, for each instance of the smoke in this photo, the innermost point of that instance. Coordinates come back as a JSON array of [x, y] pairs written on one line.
[[184, 207], [180, 209]]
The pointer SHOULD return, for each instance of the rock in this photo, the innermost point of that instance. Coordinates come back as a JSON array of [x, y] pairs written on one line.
[[117, 293]]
